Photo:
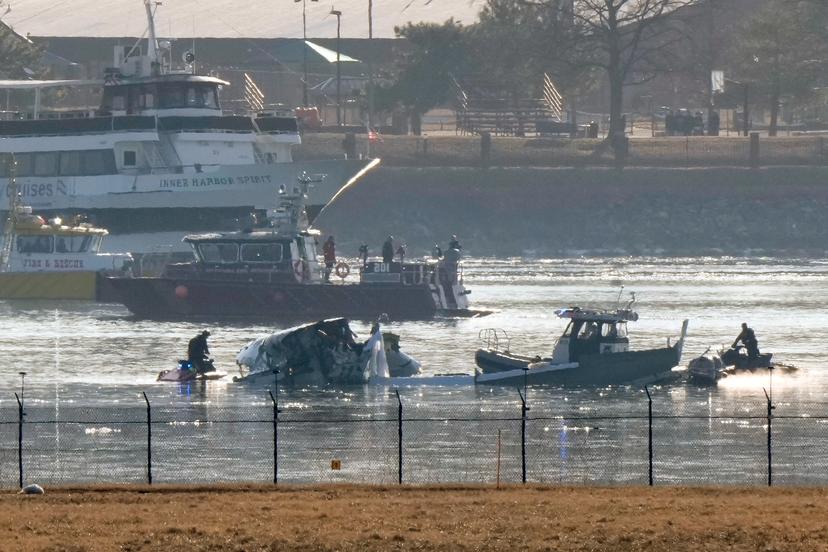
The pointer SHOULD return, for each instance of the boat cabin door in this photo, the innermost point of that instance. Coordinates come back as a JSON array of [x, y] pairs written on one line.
[[585, 339]]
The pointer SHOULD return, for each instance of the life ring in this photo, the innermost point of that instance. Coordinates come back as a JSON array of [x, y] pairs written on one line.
[[299, 269], [342, 270]]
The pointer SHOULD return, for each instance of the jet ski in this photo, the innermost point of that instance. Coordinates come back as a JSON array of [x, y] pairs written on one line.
[[186, 372]]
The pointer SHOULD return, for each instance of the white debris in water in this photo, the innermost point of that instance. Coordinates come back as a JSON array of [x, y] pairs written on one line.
[[100, 430]]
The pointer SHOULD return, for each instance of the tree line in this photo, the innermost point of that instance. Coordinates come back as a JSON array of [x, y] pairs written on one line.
[[777, 48]]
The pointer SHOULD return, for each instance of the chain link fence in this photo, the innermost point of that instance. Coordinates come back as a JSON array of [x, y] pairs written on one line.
[[655, 441]]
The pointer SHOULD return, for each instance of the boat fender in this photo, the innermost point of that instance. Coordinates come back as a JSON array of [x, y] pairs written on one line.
[[299, 269], [342, 270]]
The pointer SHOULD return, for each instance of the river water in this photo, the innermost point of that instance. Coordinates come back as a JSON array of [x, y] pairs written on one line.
[[78, 354]]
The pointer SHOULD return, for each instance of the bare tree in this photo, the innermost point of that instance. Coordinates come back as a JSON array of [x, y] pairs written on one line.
[[629, 40]]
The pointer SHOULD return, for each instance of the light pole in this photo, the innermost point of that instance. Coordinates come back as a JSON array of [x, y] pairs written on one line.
[[338, 15], [370, 67], [304, 53], [22, 387]]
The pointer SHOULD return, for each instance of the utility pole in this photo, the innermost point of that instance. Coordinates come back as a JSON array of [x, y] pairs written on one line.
[[370, 71], [338, 15], [304, 52]]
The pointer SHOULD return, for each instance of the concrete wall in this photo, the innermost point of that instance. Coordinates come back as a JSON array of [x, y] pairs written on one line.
[[560, 211]]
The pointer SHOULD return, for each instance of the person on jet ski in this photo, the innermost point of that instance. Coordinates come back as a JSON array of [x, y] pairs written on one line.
[[748, 339], [198, 353]]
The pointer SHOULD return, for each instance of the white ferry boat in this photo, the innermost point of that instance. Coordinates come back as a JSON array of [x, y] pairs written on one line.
[[158, 157]]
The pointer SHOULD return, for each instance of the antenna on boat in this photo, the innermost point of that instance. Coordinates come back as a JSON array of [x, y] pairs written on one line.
[[152, 39], [618, 300]]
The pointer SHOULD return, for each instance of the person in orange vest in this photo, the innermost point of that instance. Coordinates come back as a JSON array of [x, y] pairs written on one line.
[[329, 255]]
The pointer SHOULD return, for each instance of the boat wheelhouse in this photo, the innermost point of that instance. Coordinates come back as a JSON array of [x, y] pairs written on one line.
[[158, 154], [594, 349]]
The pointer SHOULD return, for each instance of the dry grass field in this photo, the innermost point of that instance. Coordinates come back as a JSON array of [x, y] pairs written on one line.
[[259, 518], [449, 150]]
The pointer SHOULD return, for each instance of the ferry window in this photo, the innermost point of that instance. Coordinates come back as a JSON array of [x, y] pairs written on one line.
[[208, 95], [96, 162], [118, 103], [69, 163], [34, 244], [219, 252], [24, 164], [171, 96], [5, 159], [147, 99], [130, 158], [45, 164], [261, 252], [73, 244]]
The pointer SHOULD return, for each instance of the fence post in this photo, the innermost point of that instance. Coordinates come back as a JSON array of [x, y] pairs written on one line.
[[650, 436], [20, 415], [399, 438], [770, 448], [275, 436], [754, 150], [149, 439], [523, 410]]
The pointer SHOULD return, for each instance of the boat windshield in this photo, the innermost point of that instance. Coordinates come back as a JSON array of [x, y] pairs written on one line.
[[261, 253], [34, 244], [218, 252], [616, 330], [73, 244]]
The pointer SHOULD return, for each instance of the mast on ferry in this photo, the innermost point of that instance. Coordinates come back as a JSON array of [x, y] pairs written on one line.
[[152, 39]]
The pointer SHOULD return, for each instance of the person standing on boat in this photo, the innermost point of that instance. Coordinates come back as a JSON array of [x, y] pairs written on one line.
[[363, 253], [454, 244], [401, 252], [329, 254], [198, 352], [388, 250], [748, 339]]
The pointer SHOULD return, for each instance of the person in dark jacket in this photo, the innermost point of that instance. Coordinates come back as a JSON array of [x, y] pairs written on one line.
[[329, 255], [388, 250], [198, 352], [748, 339], [454, 244]]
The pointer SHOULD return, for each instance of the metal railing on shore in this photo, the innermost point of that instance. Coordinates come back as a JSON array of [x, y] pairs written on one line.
[[650, 440]]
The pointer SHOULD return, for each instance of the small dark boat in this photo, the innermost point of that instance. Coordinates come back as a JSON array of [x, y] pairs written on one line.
[[593, 350], [273, 271], [705, 369]]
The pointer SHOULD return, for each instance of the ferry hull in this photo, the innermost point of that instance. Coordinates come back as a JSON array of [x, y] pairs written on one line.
[[169, 298], [631, 367], [49, 285]]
